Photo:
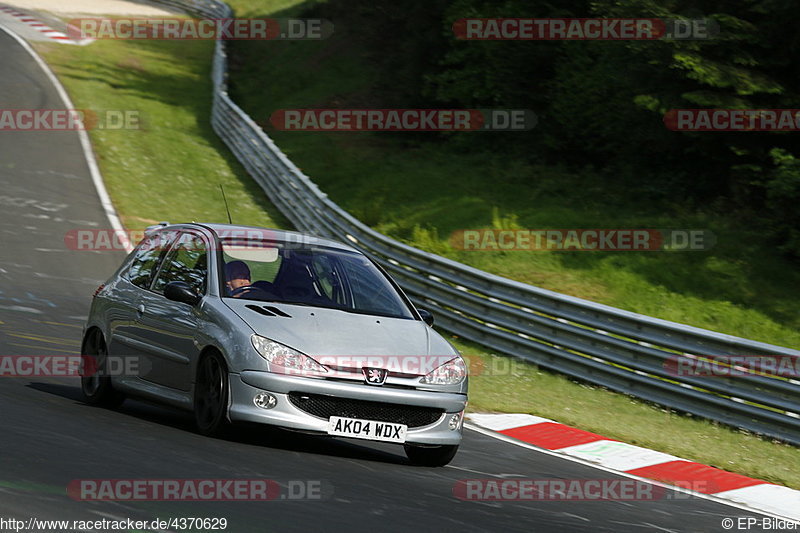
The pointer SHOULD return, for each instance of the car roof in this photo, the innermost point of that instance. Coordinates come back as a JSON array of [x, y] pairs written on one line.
[[275, 234]]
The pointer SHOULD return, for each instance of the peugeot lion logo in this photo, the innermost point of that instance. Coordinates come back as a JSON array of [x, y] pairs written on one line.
[[374, 376]]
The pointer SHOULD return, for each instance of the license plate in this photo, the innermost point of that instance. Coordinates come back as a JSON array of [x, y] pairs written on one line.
[[367, 429]]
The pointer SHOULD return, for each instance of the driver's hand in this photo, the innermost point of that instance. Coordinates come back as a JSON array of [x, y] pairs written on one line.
[[237, 284]]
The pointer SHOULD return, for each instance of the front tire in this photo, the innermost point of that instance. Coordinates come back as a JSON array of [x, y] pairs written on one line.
[[96, 387], [430, 456], [211, 396]]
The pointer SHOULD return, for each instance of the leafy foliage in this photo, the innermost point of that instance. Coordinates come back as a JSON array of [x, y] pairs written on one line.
[[601, 103]]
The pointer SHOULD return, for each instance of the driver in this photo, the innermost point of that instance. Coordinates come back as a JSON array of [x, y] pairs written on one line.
[[237, 275]]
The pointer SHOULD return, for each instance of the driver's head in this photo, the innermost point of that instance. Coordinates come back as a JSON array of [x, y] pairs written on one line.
[[237, 274]]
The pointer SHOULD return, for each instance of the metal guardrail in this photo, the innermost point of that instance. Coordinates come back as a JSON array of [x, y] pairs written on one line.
[[623, 351]]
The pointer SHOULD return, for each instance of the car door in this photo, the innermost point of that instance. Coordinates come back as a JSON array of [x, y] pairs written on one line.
[[169, 328], [123, 297]]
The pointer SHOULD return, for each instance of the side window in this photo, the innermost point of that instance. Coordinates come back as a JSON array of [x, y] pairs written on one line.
[[148, 256], [187, 262]]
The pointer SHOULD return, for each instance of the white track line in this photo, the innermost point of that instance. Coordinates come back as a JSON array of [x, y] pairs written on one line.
[[86, 145], [510, 440]]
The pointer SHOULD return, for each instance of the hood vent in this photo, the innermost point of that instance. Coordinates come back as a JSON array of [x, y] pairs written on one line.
[[277, 311], [267, 310], [261, 310]]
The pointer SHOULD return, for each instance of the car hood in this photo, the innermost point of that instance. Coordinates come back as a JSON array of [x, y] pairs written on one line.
[[320, 332]]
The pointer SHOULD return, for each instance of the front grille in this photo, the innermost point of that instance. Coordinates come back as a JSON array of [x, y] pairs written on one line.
[[328, 406]]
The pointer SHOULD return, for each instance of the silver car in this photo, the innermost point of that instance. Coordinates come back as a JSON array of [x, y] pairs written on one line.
[[249, 324]]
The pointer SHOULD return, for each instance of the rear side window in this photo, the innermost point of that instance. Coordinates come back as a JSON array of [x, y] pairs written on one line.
[[147, 258]]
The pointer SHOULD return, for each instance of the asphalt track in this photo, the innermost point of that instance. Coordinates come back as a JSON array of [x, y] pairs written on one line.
[[48, 437]]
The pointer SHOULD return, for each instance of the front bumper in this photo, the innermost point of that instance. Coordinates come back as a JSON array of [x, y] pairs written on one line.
[[244, 387]]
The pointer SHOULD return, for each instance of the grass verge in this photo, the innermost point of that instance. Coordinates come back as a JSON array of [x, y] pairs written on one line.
[[171, 169]]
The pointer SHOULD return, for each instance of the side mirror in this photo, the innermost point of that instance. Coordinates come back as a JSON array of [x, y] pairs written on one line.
[[180, 291], [426, 316]]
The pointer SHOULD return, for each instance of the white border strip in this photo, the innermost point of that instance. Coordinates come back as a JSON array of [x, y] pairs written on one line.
[[37, 24], [510, 440], [618, 455], [503, 421], [86, 145]]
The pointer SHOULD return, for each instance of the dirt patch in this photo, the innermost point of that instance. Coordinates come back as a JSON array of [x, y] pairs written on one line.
[[131, 63]]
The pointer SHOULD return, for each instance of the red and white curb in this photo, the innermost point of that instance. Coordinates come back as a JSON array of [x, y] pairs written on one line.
[[633, 460], [40, 26]]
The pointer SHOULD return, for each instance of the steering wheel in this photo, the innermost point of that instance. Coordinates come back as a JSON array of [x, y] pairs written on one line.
[[252, 292], [241, 291]]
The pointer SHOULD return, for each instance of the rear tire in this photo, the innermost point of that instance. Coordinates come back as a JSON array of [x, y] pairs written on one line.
[[96, 387], [432, 456], [211, 396]]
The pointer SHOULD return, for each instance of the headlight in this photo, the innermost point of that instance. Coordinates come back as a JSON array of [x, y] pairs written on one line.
[[278, 354], [450, 373]]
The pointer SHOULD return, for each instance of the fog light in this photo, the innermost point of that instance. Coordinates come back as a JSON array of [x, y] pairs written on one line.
[[455, 420], [265, 400]]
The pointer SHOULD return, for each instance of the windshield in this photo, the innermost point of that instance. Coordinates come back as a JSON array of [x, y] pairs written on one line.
[[315, 276]]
